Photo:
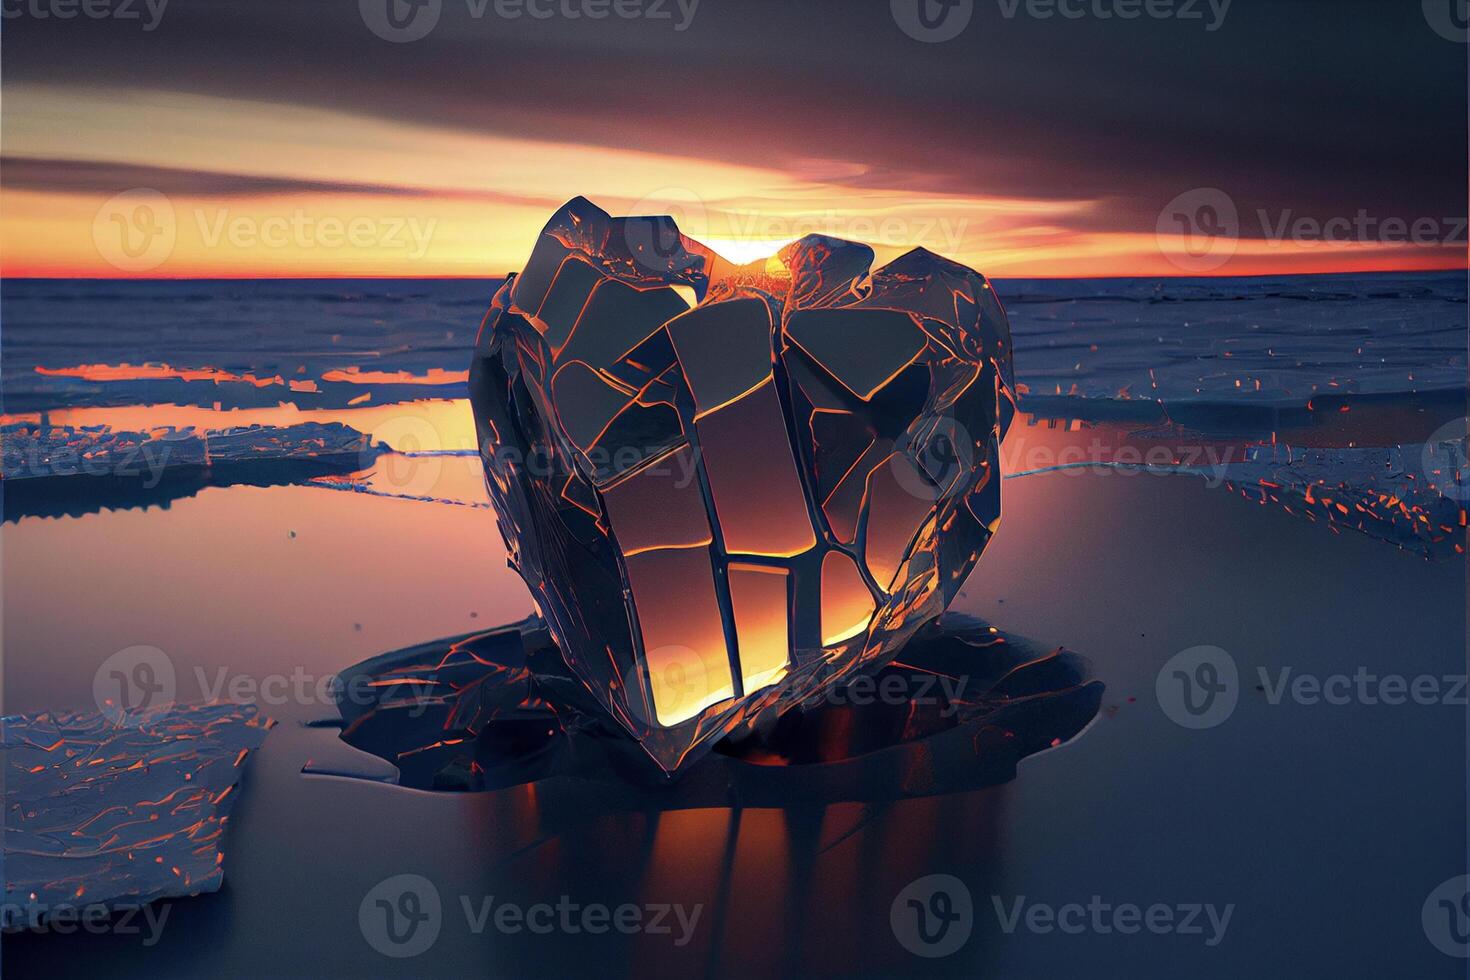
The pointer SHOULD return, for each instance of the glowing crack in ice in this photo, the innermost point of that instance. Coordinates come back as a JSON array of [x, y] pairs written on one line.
[[725, 506]]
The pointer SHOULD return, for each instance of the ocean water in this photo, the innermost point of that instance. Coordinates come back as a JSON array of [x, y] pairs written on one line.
[[1237, 343], [1153, 506], [1287, 379]]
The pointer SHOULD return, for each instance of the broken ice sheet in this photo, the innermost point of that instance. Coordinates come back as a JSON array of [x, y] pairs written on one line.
[[730, 488], [1214, 348], [496, 709], [1414, 496], [34, 450], [102, 815], [55, 470]]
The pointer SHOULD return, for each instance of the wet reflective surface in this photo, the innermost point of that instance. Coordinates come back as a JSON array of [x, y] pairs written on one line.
[[1137, 809], [959, 708]]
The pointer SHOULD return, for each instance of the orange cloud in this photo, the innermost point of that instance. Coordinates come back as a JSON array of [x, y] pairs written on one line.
[[245, 189]]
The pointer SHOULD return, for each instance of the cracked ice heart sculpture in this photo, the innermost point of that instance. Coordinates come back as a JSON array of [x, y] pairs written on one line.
[[730, 488]]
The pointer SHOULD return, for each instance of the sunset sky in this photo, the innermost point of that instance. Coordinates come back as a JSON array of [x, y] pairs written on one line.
[[289, 139]]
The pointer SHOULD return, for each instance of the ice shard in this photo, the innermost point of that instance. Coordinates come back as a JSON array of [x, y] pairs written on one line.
[[104, 816], [730, 488]]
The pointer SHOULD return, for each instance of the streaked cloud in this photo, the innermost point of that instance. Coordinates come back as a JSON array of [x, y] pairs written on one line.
[[1044, 148]]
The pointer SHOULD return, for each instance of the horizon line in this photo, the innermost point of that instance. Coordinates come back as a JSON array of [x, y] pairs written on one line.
[[480, 278]]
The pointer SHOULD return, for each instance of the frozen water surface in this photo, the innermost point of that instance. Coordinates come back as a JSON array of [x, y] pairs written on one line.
[[119, 810]]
